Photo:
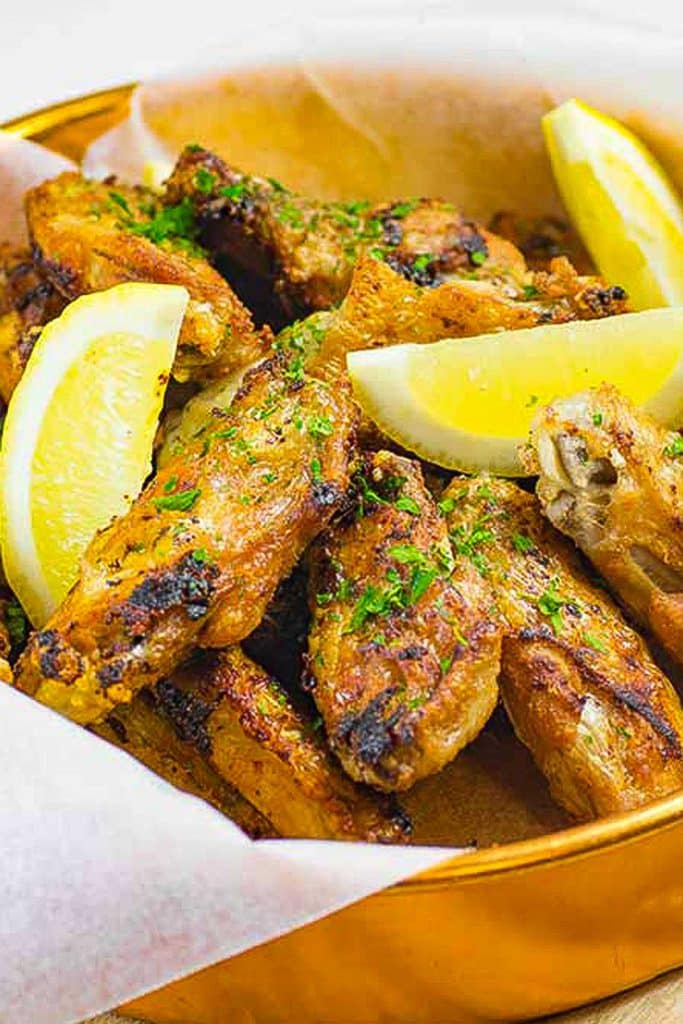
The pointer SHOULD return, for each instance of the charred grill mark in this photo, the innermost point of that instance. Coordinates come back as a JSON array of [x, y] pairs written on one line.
[[368, 734], [601, 301], [325, 495], [111, 673], [57, 659], [640, 704], [189, 585], [188, 714]]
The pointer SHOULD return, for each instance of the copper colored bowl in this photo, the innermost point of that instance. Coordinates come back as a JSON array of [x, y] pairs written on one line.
[[528, 927]]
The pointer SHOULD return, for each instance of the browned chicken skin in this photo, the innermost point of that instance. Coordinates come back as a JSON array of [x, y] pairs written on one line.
[[612, 479], [143, 730], [601, 720], [90, 235], [403, 654], [198, 556], [27, 302], [240, 719]]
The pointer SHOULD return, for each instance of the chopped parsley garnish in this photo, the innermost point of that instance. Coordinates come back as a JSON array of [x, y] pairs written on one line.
[[170, 485], [320, 426], [533, 400], [270, 476], [202, 556], [204, 181], [16, 622], [597, 419], [235, 192], [446, 505], [551, 604], [172, 223], [275, 184], [623, 731], [421, 262], [468, 543], [244, 499], [445, 664], [522, 543], [316, 471], [407, 554], [478, 257], [291, 215], [405, 503], [485, 492], [675, 449], [530, 291], [593, 642], [399, 210], [120, 201], [323, 599], [181, 502]]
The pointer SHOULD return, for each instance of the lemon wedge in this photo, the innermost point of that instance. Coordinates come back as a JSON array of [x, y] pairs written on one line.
[[77, 441], [621, 202], [467, 403]]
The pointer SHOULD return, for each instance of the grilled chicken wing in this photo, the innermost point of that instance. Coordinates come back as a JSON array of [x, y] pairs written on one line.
[[403, 654], [612, 479], [308, 249], [603, 723], [227, 709], [27, 302], [142, 729], [199, 554], [90, 235]]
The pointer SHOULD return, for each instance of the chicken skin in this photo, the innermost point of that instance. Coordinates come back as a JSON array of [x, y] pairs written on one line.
[[612, 479], [230, 711], [403, 654], [27, 302], [143, 730], [198, 556], [88, 236], [307, 249], [602, 722]]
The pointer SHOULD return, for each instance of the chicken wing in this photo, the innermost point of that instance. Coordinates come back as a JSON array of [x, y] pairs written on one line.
[[27, 302], [200, 552], [612, 479], [144, 731], [226, 708], [601, 720], [308, 248], [89, 235], [403, 655], [382, 308]]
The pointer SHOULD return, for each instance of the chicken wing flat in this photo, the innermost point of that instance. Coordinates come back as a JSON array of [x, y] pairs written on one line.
[[542, 239], [612, 479], [382, 308], [403, 654], [199, 554], [231, 712], [601, 720], [27, 302], [90, 235], [144, 731], [308, 248]]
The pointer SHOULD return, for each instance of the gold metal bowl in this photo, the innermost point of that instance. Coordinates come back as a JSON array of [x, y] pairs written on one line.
[[505, 933]]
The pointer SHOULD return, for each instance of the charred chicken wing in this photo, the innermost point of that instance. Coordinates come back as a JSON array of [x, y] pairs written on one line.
[[230, 711], [199, 554], [90, 235], [603, 723], [612, 479], [403, 653]]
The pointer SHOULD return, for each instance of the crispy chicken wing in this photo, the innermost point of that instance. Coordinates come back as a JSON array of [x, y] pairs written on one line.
[[27, 302], [612, 479], [230, 711], [143, 730], [403, 654], [542, 239], [382, 308], [602, 721], [199, 554], [308, 248], [90, 235]]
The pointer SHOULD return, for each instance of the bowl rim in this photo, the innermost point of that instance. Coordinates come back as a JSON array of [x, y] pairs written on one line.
[[573, 843]]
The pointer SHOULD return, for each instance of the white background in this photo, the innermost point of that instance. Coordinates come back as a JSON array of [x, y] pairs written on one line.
[[53, 49]]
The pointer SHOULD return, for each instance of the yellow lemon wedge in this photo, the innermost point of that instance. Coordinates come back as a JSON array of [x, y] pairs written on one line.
[[77, 440], [621, 202], [467, 403]]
